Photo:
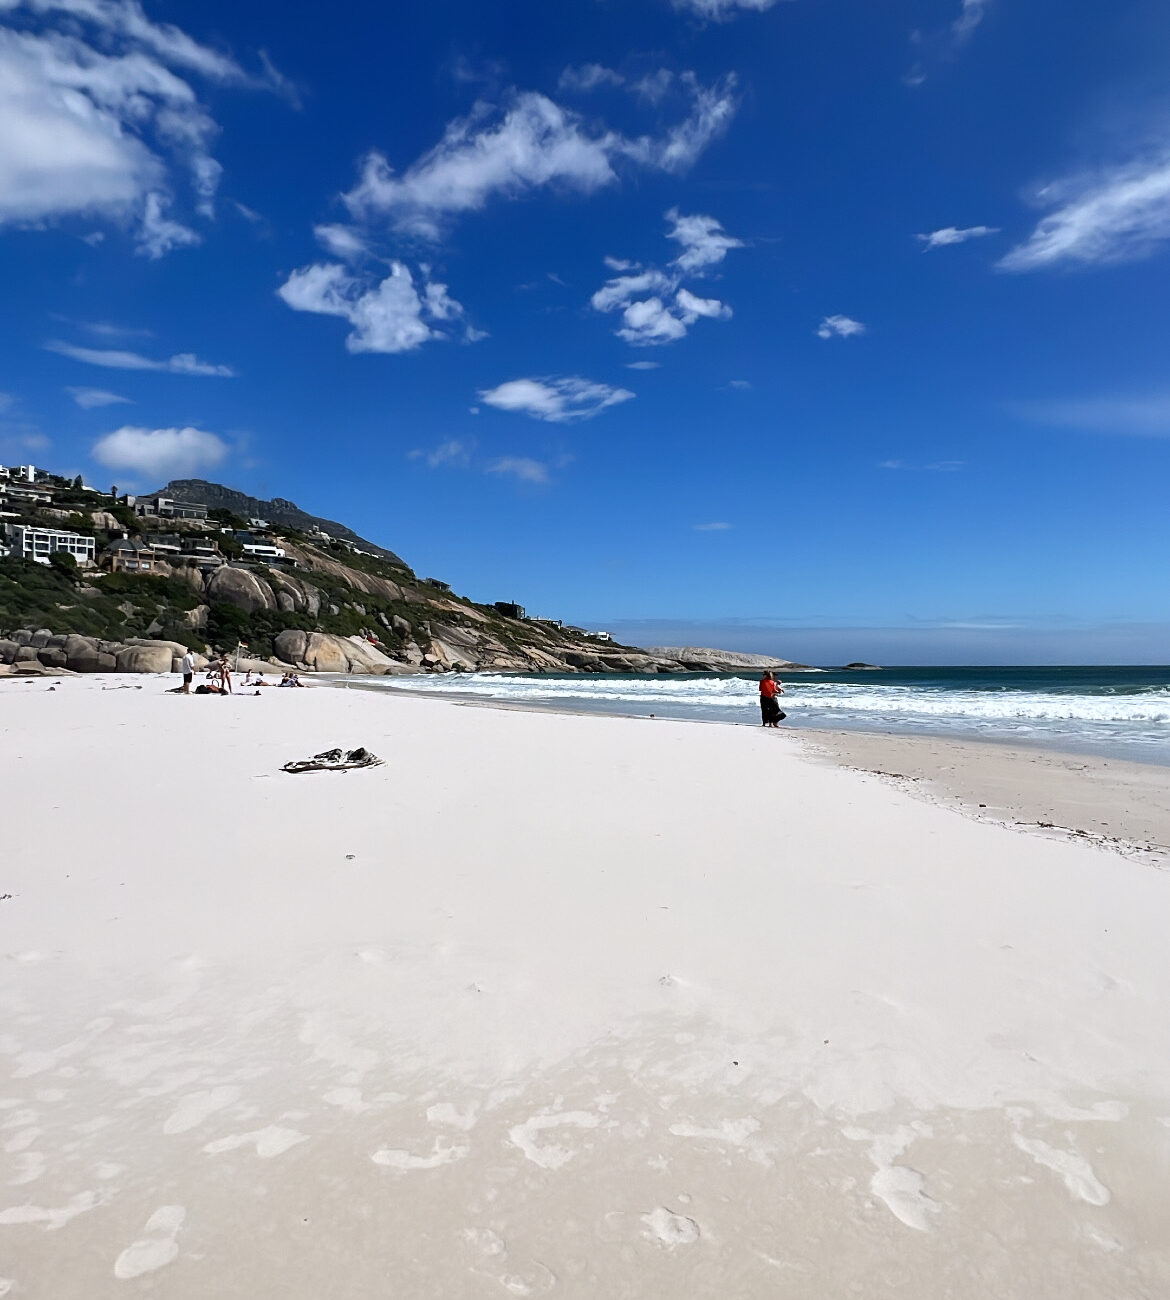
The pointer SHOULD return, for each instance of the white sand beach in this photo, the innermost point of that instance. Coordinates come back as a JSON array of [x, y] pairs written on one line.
[[553, 1005]]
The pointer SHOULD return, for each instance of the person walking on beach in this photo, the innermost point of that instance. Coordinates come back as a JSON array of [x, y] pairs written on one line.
[[770, 710], [188, 669]]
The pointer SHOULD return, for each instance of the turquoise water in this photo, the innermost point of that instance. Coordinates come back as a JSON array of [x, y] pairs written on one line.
[[1120, 711]]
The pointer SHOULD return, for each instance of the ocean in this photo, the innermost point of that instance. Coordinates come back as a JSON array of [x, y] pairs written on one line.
[[1123, 712]]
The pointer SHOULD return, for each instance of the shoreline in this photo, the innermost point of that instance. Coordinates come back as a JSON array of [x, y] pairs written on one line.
[[1118, 803], [1112, 752]]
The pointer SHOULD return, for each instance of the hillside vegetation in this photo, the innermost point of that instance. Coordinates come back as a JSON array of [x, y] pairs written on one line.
[[334, 603]]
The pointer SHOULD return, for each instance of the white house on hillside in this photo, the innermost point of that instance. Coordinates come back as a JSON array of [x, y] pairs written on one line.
[[39, 543]]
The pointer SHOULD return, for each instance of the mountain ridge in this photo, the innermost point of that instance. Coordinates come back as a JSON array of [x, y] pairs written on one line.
[[278, 510]]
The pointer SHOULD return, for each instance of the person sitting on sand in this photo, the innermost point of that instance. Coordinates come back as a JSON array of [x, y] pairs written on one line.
[[770, 710]]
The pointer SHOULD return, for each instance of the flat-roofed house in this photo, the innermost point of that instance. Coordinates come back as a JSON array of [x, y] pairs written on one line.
[[39, 543]]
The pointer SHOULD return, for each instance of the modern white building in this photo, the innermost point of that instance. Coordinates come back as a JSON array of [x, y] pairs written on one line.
[[262, 551], [39, 543]]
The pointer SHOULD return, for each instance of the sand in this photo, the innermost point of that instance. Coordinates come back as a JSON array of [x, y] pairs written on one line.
[[553, 1005], [1114, 802]]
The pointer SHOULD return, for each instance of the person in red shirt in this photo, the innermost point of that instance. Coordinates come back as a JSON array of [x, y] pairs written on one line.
[[770, 710]]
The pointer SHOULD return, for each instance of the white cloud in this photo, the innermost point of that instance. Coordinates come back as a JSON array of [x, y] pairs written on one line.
[[653, 86], [521, 467], [680, 148], [650, 321], [182, 363], [643, 365], [949, 235], [971, 15], [741, 384], [941, 45], [655, 307], [388, 316], [342, 241], [704, 242], [158, 234], [1145, 415], [691, 307], [711, 528], [588, 77], [1120, 215], [95, 122], [88, 398], [454, 453], [839, 326], [620, 264], [624, 289], [159, 453], [558, 400], [721, 10], [525, 145]]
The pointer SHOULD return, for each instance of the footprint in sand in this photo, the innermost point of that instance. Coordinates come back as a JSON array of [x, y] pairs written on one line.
[[157, 1249], [550, 1156], [193, 1109], [1075, 1171], [406, 1161], [670, 1229], [269, 1142]]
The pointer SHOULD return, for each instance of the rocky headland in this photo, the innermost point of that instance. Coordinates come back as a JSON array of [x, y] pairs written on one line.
[[324, 601]]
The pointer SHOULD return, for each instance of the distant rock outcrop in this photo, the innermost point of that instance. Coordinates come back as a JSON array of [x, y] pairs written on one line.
[[703, 659]]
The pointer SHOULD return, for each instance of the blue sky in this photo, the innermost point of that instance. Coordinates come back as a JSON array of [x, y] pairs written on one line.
[[826, 327]]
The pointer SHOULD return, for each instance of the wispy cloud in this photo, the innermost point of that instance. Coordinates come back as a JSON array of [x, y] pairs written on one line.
[[159, 453], [182, 363], [524, 144], [704, 241], [102, 118], [721, 10], [460, 454], [1118, 215], [971, 15], [843, 327], [949, 235], [1144, 415], [342, 241], [937, 466], [88, 398], [655, 307], [558, 400], [712, 528], [523, 468], [941, 45], [589, 77], [455, 453], [643, 365], [741, 384]]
